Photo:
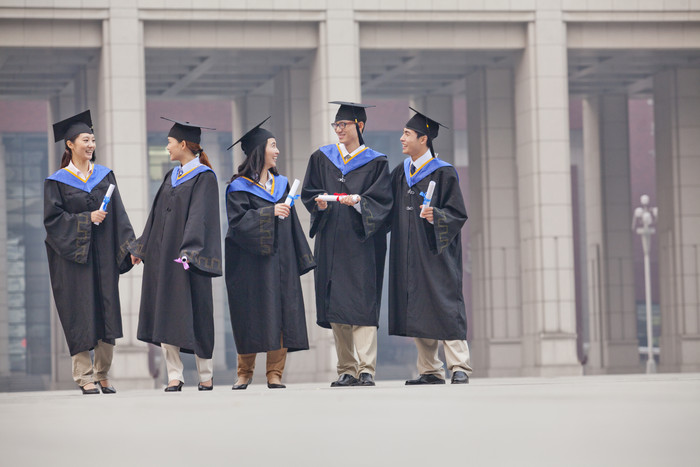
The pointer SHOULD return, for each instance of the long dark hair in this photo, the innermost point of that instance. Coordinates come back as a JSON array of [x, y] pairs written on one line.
[[68, 154], [197, 151], [253, 164]]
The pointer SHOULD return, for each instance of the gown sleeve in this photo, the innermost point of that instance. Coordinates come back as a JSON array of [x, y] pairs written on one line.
[[138, 246], [124, 233], [305, 258], [68, 234], [201, 241], [311, 188], [253, 230], [449, 213], [376, 202]]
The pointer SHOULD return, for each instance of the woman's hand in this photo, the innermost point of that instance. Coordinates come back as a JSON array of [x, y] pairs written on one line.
[[98, 216], [282, 209], [320, 204], [427, 214], [350, 200], [135, 260]]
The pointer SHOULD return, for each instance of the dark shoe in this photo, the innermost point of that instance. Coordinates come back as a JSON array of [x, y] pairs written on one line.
[[345, 380], [425, 379], [89, 391], [366, 380], [201, 387], [177, 388], [236, 387], [460, 377], [275, 385], [106, 389]]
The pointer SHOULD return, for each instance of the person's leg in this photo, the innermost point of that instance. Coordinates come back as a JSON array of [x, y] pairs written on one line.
[[104, 353], [345, 349], [365, 338], [276, 360], [246, 367], [458, 359], [205, 370], [173, 364], [429, 365], [82, 370]]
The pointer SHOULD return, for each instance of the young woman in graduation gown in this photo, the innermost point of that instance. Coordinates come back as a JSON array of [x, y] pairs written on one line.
[[87, 251], [181, 251], [266, 253]]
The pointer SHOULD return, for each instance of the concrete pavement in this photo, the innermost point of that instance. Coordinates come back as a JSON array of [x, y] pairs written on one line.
[[634, 420]]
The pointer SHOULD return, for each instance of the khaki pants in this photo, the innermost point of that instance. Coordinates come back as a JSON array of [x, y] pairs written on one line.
[[456, 354], [171, 353], [350, 339], [85, 371], [276, 360]]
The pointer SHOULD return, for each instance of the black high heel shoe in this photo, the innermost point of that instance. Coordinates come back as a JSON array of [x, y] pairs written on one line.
[[177, 388], [90, 391], [106, 389], [275, 385], [236, 387], [202, 387]]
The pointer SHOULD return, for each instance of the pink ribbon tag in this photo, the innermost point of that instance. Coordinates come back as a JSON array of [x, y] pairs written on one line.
[[184, 263]]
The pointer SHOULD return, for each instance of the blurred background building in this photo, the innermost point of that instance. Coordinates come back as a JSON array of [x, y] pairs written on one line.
[[562, 113]]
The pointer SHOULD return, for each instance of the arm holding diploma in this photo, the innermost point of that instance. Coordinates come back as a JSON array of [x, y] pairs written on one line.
[[105, 202], [426, 211], [291, 196]]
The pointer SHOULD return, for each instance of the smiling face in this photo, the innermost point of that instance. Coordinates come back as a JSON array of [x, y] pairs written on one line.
[[175, 149], [412, 144], [346, 131], [82, 147], [271, 154]]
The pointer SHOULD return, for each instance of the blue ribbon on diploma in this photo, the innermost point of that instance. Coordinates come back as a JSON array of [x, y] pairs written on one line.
[[425, 198], [292, 198]]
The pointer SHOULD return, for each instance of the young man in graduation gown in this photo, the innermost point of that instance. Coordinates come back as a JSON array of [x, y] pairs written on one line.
[[350, 242], [425, 265], [181, 251], [266, 253], [87, 251]]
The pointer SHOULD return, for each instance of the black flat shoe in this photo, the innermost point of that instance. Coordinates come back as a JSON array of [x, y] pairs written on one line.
[[425, 379], [460, 377], [240, 387], [366, 379], [89, 391], [275, 385], [345, 380], [201, 387], [106, 389], [177, 388]]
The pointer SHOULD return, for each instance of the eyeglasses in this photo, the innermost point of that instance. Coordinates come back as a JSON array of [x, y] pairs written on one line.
[[340, 125]]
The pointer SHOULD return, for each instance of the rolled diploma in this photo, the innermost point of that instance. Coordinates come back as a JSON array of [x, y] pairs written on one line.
[[429, 196], [333, 197], [291, 194], [105, 200]]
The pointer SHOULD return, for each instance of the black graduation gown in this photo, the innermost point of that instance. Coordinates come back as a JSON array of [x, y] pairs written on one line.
[[425, 261], [85, 260], [264, 258], [350, 247], [176, 304]]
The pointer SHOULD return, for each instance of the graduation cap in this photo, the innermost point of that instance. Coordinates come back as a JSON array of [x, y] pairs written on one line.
[[353, 112], [253, 138], [186, 131], [71, 127], [424, 125]]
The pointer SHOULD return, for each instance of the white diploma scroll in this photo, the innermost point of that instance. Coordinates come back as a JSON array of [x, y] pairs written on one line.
[[355, 198], [291, 194], [428, 196], [105, 200]]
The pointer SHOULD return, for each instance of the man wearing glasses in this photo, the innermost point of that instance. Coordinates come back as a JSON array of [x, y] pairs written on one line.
[[350, 241]]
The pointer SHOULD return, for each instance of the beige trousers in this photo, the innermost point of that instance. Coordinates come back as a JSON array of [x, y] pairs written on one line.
[[351, 339], [85, 371], [171, 353], [456, 354]]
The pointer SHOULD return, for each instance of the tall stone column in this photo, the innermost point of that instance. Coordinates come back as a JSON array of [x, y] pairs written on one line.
[[493, 223], [439, 108], [121, 145], [4, 317], [544, 193], [335, 75], [677, 124], [613, 325]]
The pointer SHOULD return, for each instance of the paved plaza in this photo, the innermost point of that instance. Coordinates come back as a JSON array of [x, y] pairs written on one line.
[[635, 420]]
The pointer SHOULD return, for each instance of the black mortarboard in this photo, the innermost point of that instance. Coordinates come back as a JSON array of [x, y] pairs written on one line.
[[72, 126], [424, 125], [253, 138], [351, 111], [186, 131]]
